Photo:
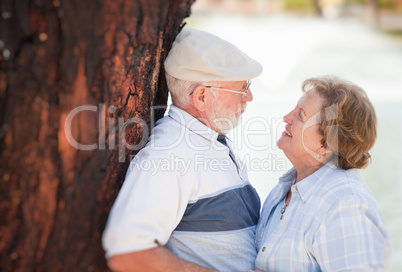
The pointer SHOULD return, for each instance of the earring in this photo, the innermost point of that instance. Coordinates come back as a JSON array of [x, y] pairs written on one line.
[[318, 155]]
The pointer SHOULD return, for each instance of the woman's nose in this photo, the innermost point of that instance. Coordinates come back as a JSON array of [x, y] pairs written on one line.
[[287, 118]]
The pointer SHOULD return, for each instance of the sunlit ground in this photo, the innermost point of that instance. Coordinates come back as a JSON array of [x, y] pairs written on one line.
[[292, 48]]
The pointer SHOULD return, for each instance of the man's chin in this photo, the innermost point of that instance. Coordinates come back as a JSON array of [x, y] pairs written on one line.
[[227, 125], [240, 112]]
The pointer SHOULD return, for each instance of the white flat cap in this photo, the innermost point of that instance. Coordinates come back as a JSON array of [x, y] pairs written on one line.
[[200, 56]]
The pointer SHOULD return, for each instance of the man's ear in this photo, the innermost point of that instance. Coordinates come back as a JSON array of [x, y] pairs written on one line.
[[200, 97]]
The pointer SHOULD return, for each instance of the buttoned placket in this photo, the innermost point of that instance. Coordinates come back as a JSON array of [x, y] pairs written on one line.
[[283, 223], [295, 198]]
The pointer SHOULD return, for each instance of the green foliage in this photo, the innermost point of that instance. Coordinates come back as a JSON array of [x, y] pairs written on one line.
[[299, 4], [387, 3], [307, 5], [358, 1], [396, 34]]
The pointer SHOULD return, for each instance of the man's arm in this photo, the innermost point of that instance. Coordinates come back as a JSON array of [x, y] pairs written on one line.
[[154, 259]]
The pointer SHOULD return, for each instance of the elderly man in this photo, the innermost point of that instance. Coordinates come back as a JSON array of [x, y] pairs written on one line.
[[186, 203]]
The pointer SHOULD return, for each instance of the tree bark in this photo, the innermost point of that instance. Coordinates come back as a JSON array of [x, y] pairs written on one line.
[[78, 80]]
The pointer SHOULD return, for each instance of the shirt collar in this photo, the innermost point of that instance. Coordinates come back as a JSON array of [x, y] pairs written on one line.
[[287, 180], [307, 186], [192, 123]]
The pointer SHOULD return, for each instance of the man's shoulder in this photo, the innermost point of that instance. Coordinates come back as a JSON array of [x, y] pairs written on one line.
[[167, 132], [173, 136], [167, 137]]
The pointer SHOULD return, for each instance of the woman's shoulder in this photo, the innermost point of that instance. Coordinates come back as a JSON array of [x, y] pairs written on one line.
[[340, 184], [342, 194]]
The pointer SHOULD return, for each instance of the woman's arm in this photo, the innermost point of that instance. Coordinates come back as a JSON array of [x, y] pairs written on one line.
[[352, 236]]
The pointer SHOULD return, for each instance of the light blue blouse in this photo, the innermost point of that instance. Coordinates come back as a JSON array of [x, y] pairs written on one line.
[[332, 223], [273, 219]]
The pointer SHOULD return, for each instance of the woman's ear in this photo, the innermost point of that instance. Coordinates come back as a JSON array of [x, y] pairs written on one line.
[[325, 152]]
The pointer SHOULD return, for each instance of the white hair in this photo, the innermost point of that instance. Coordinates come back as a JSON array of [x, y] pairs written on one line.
[[180, 90]]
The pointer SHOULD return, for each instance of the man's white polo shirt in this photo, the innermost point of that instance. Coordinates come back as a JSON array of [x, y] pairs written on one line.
[[183, 191]]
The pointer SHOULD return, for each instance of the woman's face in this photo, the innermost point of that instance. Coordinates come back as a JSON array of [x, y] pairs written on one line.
[[301, 139]]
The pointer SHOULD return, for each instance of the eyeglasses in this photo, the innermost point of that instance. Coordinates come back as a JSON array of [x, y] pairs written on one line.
[[244, 93]]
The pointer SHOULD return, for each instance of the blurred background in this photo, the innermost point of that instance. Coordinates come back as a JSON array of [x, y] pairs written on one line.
[[357, 40]]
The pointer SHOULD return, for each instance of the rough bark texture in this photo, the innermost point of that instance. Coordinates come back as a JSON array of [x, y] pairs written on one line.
[[55, 56]]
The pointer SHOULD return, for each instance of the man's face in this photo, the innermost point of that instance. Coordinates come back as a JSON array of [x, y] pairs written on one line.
[[228, 107]]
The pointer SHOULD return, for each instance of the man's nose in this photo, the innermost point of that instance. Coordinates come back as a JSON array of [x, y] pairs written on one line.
[[249, 96]]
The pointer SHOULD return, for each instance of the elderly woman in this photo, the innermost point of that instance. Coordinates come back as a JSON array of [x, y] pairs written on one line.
[[321, 216]]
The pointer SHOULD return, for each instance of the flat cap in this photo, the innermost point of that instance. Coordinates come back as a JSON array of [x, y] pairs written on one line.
[[200, 56]]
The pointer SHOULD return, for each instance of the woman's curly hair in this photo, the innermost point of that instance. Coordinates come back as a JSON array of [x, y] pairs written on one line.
[[348, 120]]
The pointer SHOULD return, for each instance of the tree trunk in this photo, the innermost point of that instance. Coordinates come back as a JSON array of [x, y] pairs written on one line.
[[78, 80]]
